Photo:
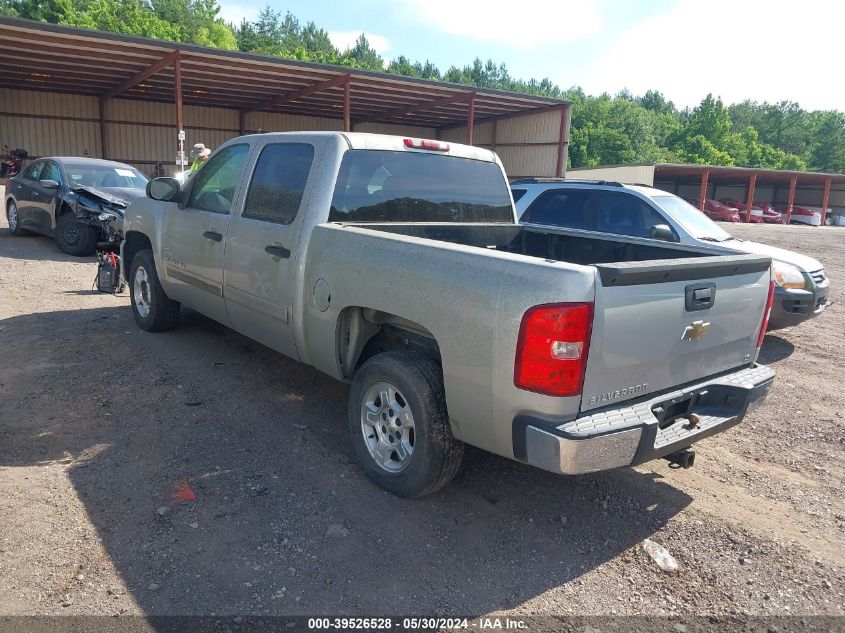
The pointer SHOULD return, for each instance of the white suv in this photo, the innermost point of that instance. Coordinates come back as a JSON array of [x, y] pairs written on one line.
[[639, 211]]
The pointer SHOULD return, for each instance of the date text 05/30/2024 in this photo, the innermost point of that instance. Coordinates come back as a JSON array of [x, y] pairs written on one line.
[[410, 624]]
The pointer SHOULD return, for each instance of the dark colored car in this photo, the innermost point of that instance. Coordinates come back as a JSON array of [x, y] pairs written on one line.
[[717, 211], [78, 201]]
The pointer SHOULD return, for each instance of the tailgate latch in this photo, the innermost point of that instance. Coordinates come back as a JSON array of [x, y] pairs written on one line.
[[700, 296]]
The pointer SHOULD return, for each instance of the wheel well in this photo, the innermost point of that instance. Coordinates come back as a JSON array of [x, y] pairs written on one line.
[[135, 242], [364, 332]]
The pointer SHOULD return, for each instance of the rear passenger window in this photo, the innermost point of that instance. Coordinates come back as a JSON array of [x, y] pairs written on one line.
[[567, 208], [625, 215], [278, 182], [517, 194]]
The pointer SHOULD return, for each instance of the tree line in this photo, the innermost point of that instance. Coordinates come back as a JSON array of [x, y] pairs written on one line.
[[606, 129]]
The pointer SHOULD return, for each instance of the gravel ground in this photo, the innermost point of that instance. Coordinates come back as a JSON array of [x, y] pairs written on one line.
[[196, 472]]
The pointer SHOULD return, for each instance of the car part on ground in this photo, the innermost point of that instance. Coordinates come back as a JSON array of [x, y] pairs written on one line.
[[109, 279]]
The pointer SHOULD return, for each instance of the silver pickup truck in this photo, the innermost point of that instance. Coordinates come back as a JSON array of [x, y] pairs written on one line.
[[396, 264]]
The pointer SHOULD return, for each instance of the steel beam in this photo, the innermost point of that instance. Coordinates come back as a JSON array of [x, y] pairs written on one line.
[[160, 65], [347, 105], [104, 143], [752, 184], [825, 199], [702, 192], [299, 94], [417, 107], [177, 93], [470, 118], [793, 182]]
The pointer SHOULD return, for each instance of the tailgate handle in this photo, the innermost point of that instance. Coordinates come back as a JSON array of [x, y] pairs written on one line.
[[700, 296]]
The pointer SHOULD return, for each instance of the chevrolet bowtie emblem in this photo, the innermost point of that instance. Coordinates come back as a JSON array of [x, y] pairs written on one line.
[[695, 331]]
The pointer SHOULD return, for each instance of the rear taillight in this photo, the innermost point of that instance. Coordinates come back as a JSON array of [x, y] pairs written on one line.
[[766, 314], [422, 143], [551, 352]]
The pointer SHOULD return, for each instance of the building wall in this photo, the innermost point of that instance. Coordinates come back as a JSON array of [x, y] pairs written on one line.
[[629, 174], [141, 133], [527, 144]]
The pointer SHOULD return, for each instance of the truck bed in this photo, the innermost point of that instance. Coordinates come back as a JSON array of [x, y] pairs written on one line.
[[574, 249]]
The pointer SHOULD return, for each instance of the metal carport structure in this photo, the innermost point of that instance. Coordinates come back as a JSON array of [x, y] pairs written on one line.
[[750, 184], [120, 81]]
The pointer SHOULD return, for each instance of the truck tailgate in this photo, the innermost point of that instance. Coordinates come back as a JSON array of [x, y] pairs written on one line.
[[662, 324]]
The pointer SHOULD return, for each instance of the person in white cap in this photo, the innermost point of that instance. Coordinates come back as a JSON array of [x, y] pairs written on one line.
[[199, 155]]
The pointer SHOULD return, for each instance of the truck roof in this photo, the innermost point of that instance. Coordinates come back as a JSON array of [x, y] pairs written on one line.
[[389, 142]]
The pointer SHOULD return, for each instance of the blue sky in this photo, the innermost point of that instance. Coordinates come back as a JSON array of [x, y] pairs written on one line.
[[736, 49]]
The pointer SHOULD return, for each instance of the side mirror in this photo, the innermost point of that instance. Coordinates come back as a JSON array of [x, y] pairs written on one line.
[[48, 184], [164, 189], [662, 232]]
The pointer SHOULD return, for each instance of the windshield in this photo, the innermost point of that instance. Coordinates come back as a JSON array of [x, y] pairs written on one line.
[[694, 221], [104, 176], [380, 186]]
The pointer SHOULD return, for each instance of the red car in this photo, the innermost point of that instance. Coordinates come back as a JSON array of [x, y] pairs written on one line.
[[760, 211], [715, 210], [802, 215]]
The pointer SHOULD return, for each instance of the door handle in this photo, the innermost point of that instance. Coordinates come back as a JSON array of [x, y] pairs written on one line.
[[214, 236], [277, 251]]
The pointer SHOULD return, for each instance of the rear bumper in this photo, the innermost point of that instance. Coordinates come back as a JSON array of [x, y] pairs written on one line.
[[632, 435], [792, 306]]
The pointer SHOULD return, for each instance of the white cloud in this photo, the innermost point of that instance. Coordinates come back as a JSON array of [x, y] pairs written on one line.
[[736, 50], [525, 25], [234, 12], [345, 40]]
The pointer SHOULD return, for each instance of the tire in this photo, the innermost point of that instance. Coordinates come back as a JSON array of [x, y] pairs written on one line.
[[13, 218], [73, 237], [414, 384], [154, 311]]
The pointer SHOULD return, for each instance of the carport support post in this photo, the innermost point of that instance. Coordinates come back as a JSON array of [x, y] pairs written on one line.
[[347, 106], [177, 90], [470, 118], [702, 193], [825, 199], [241, 122], [752, 184], [104, 143], [793, 182]]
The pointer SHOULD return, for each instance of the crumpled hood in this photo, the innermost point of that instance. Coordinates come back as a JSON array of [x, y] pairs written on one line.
[[804, 263], [118, 196]]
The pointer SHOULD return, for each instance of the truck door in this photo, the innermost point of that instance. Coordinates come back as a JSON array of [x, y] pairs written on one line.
[[194, 235], [262, 239]]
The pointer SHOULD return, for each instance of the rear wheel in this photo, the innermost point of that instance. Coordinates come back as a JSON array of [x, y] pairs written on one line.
[[399, 424], [14, 219], [154, 311], [74, 237]]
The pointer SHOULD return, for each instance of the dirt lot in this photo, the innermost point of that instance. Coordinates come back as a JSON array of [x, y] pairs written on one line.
[[100, 422]]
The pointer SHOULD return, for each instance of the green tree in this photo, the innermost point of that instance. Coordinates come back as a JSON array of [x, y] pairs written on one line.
[[827, 152]]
